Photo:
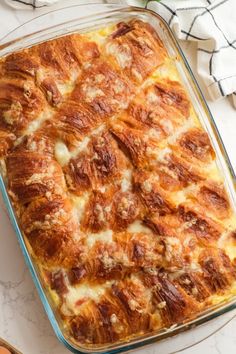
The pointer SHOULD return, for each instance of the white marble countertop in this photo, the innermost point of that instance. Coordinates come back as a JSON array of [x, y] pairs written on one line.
[[23, 321]]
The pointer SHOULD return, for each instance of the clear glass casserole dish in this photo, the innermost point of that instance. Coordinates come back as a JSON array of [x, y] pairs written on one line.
[[105, 16]]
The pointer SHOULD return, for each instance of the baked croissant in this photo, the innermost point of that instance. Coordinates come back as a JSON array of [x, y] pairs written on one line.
[[115, 183]]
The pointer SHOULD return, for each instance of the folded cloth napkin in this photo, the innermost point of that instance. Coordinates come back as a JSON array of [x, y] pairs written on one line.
[[212, 24]]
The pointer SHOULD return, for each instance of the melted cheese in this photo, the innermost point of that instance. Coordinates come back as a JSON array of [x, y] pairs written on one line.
[[121, 52], [79, 204], [104, 237], [62, 153], [35, 125], [92, 92], [100, 36], [138, 227], [161, 155], [228, 243], [179, 197], [3, 169], [188, 124], [167, 70], [126, 181], [68, 87], [81, 294]]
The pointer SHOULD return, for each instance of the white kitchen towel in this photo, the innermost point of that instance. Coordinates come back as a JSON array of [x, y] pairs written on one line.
[[212, 23], [33, 4], [38, 4]]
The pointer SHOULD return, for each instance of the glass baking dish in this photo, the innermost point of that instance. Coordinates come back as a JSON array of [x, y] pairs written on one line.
[[96, 17]]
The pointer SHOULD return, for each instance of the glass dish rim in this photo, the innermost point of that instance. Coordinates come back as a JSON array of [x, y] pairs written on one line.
[[143, 340]]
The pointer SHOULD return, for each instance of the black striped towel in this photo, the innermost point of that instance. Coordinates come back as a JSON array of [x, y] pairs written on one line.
[[212, 23]]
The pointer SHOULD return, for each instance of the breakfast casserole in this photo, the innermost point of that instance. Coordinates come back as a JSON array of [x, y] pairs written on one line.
[[115, 183]]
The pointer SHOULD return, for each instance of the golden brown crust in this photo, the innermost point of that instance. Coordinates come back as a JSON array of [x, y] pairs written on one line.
[[104, 89], [73, 121], [174, 303], [20, 103], [218, 271], [115, 183], [136, 49], [199, 224], [6, 141], [31, 175], [152, 195], [98, 165], [196, 144], [213, 196]]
